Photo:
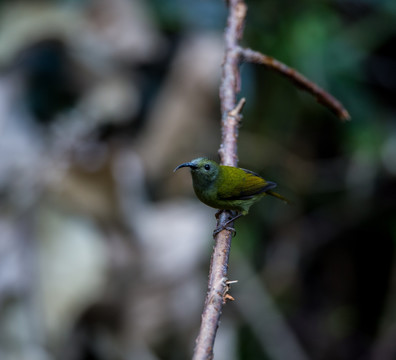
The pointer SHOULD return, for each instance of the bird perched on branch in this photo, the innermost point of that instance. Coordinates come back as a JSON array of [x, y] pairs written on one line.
[[227, 187]]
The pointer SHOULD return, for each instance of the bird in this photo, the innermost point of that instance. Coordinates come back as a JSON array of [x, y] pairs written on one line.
[[227, 187]]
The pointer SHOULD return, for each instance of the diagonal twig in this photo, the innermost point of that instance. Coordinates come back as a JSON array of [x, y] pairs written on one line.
[[300, 80]]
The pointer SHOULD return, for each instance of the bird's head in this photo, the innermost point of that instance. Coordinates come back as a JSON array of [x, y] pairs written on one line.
[[203, 170]]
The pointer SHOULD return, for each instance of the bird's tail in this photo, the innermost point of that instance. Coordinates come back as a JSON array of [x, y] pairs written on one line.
[[273, 193]]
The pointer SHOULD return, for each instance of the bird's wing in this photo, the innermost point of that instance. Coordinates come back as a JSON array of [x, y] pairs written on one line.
[[242, 184]]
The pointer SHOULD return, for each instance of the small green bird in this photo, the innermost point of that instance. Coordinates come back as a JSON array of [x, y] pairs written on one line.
[[227, 187]]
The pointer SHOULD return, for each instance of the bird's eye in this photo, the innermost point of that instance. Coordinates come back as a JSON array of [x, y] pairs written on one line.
[[207, 167]]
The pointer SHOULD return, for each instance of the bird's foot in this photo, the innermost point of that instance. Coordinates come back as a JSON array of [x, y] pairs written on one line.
[[232, 215], [224, 227]]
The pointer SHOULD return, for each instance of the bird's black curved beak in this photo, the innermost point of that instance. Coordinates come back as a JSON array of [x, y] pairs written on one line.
[[187, 164]]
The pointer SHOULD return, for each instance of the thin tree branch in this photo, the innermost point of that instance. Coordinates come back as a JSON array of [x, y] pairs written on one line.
[[300, 80], [231, 117], [230, 82], [217, 283]]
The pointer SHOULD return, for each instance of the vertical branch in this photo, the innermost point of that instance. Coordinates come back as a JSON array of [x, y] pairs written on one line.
[[231, 117], [217, 283], [230, 85]]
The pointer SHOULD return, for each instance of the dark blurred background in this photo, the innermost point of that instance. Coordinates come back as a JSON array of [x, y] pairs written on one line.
[[104, 252]]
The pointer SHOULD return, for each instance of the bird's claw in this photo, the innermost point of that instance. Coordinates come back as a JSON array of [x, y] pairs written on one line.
[[221, 228]]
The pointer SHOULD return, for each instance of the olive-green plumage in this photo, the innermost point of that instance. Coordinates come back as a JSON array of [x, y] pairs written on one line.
[[226, 187]]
